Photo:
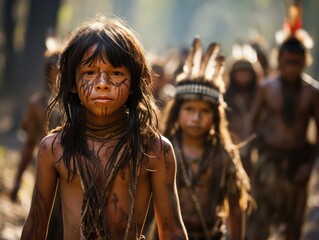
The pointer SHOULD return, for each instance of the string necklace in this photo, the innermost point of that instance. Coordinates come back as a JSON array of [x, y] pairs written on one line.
[[93, 225]]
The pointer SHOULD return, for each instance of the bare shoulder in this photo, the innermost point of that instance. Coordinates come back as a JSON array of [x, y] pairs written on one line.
[[50, 145], [159, 145], [160, 150]]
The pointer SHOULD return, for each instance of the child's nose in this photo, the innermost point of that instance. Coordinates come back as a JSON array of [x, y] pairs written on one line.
[[102, 82], [196, 116]]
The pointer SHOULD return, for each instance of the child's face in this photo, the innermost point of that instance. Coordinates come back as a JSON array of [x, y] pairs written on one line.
[[195, 118], [243, 77], [102, 88]]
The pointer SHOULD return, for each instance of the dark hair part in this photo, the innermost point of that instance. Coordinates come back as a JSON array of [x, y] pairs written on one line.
[[292, 45], [115, 40]]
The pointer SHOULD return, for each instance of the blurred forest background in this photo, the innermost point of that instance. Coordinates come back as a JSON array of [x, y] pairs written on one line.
[[161, 24], [24, 25]]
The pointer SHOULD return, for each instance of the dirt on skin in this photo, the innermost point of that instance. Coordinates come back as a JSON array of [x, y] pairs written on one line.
[[13, 214]]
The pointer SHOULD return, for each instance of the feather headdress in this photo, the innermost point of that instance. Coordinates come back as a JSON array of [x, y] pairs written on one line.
[[243, 57], [293, 25], [202, 74]]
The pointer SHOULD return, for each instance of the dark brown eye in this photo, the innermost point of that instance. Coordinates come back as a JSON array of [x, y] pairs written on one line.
[[88, 73]]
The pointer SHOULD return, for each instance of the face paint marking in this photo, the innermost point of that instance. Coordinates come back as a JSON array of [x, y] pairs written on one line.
[[86, 86], [118, 84], [115, 200]]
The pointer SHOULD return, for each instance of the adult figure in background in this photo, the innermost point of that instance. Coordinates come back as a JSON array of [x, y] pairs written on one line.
[[34, 118], [33, 126], [279, 181]]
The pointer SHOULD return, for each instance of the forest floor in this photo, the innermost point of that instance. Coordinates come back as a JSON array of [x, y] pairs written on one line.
[[13, 214]]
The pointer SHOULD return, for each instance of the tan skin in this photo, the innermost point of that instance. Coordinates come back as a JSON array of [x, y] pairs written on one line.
[[195, 120], [238, 118], [103, 98], [269, 98]]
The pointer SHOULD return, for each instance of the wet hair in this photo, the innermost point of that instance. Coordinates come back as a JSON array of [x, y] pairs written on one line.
[[292, 45], [112, 39]]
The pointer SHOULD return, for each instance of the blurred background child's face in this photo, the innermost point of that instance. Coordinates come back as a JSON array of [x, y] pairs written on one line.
[[195, 118], [243, 77]]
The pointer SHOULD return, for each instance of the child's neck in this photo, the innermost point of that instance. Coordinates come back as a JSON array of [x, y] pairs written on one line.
[[193, 148], [114, 127], [102, 121], [198, 142]]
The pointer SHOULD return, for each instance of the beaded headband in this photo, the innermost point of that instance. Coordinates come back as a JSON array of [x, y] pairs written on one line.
[[191, 90], [202, 74]]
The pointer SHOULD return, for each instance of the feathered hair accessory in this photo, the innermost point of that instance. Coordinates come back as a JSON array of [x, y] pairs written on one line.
[[202, 74], [244, 52], [293, 25], [243, 56]]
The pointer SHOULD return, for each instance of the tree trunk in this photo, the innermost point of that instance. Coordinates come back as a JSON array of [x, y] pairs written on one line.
[[42, 17], [8, 80], [28, 70]]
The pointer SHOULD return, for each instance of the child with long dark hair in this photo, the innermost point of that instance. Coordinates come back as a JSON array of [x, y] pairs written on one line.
[[212, 184], [108, 156]]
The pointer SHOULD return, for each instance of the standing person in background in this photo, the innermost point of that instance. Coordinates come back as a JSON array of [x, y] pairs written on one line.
[[290, 100], [212, 184], [33, 126], [244, 75], [108, 156], [33, 123]]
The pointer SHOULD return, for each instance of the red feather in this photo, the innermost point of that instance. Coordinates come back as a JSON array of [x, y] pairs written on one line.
[[294, 19]]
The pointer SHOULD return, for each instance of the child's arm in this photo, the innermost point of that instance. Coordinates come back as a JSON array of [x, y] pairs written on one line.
[[35, 227], [166, 203]]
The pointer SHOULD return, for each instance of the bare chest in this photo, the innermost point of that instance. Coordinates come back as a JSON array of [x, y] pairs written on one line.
[[277, 99]]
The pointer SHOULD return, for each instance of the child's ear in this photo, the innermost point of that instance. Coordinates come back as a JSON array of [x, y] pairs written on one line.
[[74, 89]]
